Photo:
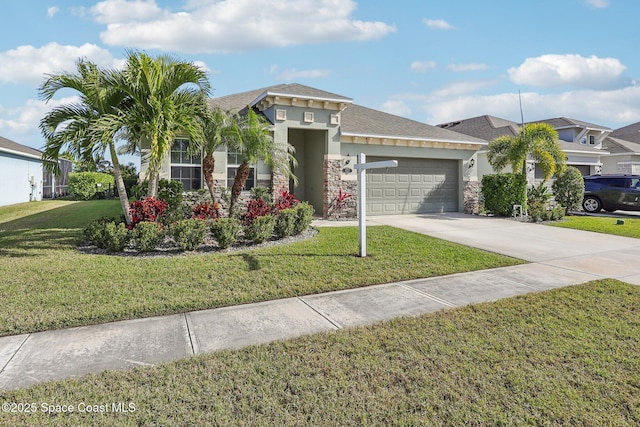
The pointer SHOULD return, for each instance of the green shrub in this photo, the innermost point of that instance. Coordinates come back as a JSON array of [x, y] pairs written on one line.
[[537, 200], [168, 190], [189, 233], [286, 222], [116, 237], [84, 185], [147, 236], [502, 191], [94, 231], [304, 216], [568, 189], [262, 193], [260, 229], [540, 213], [225, 231]]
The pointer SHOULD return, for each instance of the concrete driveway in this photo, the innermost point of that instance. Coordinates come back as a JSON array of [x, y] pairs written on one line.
[[602, 255]]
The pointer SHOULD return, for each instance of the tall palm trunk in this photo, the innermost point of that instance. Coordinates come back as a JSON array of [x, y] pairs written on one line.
[[208, 163], [238, 184], [152, 189], [122, 190]]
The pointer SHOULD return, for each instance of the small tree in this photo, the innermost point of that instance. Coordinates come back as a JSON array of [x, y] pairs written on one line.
[[568, 188]]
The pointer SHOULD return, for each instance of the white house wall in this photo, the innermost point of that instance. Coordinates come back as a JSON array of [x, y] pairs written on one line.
[[16, 175]]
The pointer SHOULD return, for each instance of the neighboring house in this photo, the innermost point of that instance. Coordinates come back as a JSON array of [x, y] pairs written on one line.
[[624, 146], [20, 173], [435, 172], [581, 141]]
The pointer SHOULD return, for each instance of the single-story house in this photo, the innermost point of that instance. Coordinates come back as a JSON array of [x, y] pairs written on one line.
[[21, 171], [436, 167]]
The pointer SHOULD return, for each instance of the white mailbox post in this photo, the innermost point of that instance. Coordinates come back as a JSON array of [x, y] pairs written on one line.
[[362, 167]]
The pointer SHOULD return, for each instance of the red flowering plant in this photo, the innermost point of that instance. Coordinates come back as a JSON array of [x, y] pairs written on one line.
[[206, 210], [148, 209], [340, 202], [255, 209], [285, 201]]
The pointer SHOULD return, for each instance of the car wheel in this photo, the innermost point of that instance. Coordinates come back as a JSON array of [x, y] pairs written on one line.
[[591, 204]]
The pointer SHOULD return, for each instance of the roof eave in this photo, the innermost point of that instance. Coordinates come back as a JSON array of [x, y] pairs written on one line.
[[20, 153]]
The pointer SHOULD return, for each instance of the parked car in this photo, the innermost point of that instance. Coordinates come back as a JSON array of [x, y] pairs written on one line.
[[611, 192]]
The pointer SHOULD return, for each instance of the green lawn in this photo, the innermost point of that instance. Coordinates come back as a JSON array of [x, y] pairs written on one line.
[[608, 225], [46, 283], [563, 357]]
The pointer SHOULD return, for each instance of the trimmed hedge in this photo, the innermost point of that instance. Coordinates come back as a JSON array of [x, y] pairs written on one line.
[[260, 229], [225, 231], [189, 233], [84, 185], [502, 191]]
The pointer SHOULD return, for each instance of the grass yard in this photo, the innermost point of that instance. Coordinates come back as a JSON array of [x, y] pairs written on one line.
[[46, 283], [563, 357], [599, 224]]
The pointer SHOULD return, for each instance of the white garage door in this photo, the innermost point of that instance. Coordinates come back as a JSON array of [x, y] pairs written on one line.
[[415, 186]]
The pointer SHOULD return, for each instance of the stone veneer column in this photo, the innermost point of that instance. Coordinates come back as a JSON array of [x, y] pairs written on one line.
[[471, 196], [279, 183], [332, 183]]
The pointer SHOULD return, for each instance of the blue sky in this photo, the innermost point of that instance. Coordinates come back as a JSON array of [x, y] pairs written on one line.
[[429, 60]]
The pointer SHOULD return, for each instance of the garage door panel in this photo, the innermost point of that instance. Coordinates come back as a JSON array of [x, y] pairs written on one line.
[[415, 186]]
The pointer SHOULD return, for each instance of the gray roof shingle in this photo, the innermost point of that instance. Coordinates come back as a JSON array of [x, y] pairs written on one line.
[[355, 119], [484, 127], [358, 120], [628, 133], [620, 146], [563, 122]]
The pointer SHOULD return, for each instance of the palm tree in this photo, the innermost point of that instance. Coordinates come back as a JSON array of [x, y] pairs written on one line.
[[251, 137], [86, 128], [217, 128], [536, 141], [165, 98]]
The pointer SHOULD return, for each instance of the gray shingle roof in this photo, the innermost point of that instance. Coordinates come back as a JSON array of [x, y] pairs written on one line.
[[628, 133], [10, 146], [563, 122], [239, 101], [355, 119], [358, 120], [584, 148], [620, 146], [483, 127]]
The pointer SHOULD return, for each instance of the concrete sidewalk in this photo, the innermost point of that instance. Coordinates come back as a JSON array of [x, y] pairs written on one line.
[[560, 258]]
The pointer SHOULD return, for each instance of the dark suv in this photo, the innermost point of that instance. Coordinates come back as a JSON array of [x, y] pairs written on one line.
[[611, 192]]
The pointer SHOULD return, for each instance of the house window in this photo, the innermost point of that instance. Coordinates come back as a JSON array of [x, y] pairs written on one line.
[[234, 159], [185, 168], [592, 140]]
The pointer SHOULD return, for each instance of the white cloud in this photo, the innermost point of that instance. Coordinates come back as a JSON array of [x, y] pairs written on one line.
[[51, 12], [118, 11], [467, 67], [397, 107], [29, 65], [422, 66], [569, 70], [293, 74], [21, 123], [462, 88], [613, 108], [438, 24], [233, 25], [599, 4]]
